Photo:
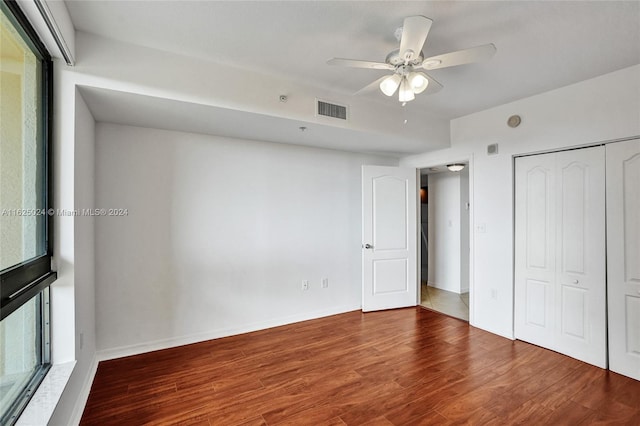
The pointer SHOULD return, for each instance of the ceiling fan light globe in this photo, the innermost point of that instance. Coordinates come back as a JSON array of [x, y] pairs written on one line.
[[389, 85], [406, 92], [418, 82], [406, 96]]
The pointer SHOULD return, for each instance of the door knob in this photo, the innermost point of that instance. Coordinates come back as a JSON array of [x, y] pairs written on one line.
[[368, 246], [575, 281]]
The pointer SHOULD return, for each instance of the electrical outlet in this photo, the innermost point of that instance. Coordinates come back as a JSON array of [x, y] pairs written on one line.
[[494, 294], [325, 282], [305, 285]]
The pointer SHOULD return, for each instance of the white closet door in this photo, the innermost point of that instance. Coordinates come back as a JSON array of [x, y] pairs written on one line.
[[535, 259], [560, 283], [623, 256], [581, 282]]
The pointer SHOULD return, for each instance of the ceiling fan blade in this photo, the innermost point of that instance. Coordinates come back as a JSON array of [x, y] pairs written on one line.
[[414, 33], [433, 86], [372, 86], [354, 63], [460, 57]]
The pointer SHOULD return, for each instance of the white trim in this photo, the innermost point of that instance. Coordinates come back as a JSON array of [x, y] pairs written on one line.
[[52, 25], [83, 396], [123, 351], [61, 35], [574, 147], [434, 285], [498, 333]]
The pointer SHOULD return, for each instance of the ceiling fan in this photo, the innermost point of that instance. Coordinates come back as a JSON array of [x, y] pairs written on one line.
[[405, 61]]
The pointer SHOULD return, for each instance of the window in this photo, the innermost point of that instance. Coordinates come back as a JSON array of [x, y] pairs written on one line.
[[25, 218]]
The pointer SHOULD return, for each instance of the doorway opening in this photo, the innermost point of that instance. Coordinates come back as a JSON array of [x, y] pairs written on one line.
[[444, 240]]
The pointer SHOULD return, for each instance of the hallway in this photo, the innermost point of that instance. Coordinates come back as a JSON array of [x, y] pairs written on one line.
[[446, 302]]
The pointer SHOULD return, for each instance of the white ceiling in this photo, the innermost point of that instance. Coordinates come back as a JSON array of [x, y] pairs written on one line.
[[111, 106], [542, 45]]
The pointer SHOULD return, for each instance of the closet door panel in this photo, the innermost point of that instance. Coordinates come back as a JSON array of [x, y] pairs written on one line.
[[535, 250], [623, 256], [560, 283], [580, 245]]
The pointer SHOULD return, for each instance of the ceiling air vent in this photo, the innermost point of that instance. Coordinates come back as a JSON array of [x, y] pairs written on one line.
[[332, 110]]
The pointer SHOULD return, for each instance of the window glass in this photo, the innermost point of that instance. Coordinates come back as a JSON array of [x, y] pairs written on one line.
[[22, 155], [20, 356], [25, 259]]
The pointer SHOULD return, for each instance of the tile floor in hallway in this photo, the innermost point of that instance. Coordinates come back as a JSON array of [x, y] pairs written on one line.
[[446, 302]]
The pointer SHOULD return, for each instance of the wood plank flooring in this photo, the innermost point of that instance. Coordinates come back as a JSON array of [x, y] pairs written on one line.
[[400, 367]]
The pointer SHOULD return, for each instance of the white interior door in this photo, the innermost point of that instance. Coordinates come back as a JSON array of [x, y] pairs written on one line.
[[535, 250], [623, 256], [560, 253], [389, 238]]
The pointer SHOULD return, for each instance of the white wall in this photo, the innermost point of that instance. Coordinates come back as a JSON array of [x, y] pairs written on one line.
[[599, 109], [464, 230], [84, 228], [82, 310], [219, 235], [127, 68], [444, 231]]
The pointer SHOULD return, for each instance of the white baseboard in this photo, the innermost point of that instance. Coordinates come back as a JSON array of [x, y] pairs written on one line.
[[439, 287], [81, 402], [123, 351], [496, 332]]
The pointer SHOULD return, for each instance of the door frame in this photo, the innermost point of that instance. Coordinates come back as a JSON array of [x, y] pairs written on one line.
[[450, 159]]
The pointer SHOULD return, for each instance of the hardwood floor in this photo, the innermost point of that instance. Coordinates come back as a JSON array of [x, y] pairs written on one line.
[[400, 367]]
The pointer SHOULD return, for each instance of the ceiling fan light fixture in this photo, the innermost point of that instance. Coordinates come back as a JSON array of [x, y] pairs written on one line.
[[418, 81], [406, 92], [389, 85], [455, 167]]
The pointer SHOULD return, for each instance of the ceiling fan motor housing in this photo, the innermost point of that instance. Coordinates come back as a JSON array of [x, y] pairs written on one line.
[[395, 59]]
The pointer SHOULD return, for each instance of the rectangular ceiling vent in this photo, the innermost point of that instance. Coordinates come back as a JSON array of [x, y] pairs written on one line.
[[327, 109]]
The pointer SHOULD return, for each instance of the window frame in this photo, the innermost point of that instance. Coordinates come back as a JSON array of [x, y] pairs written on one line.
[[43, 347], [21, 282], [31, 279]]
